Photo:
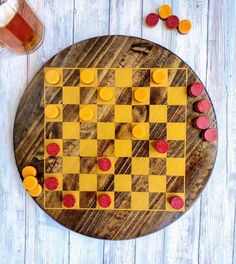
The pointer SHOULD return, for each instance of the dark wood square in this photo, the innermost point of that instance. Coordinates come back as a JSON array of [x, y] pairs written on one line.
[[105, 182], [175, 184], [140, 113], [105, 148], [71, 77], [176, 113], [157, 166], [140, 183], [87, 200], [53, 95], [54, 130], [158, 95], [177, 77], [176, 149], [123, 131], [71, 147], [122, 200], [71, 113], [88, 130], [88, 95], [123, 96], [106, 113], [123, 166], [157, 201], [106, 78], [157, 131], [53, 199], [141, 78], [53, 165], [88, 165], [70, 182], [140, 148]]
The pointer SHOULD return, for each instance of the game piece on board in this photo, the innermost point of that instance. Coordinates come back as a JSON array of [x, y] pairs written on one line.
[[185, 26], [52, 77], [162, 146], [177, 202], [69, 200], [86, 113], [104, 164], [141, 95], [30, 182], [203, 106], [36, 191], [53, 149], [152, 19], [51, 183], [29, 171], [202, 122], [196, 89], [172, 22], [106, 93], [87, 76], [165, 11], [51, 111], [159, 76], [104, 200], [139, 131], [210, 135]]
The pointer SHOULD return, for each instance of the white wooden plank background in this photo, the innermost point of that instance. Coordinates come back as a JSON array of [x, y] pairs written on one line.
[[205, 234]]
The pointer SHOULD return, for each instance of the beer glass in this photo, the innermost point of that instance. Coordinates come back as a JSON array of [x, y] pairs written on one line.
[[20, 28]]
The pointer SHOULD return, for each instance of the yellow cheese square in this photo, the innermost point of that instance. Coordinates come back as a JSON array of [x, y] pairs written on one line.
[[123, 77], [123, 148], [57, 141], [105, 130], [139, 200], [175, 166], [158, 113], [71, 164], [176, 131], [122, 183], [88, 182], [88, 148], [140, 166], [157, 183], [111, 195], [177, 96], [123, 113], [71, 95], [71, 130]]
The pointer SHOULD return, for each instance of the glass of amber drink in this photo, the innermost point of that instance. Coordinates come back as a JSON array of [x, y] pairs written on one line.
[[20, 28]]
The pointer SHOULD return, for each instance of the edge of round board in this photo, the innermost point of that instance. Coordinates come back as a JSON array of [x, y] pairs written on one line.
[[178, 213]]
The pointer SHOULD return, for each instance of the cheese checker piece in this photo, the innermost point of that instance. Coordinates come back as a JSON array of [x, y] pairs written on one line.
[[36, 191], [159, 76], [106, 94], [87, 76], [165, 11], [185, 26], [30, 183], [139, 131], [51, 111], [141, 95], [86, 113], [29, 171], [52, 77]]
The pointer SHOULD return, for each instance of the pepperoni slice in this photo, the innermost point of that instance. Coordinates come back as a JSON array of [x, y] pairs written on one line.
[[104, 200], [210, 135], [172, 22], [162, 146], [53, 149], [51, 183], [104, 164], [196, 89], [152, 19], [69, 200], [202, 122], [177, 202], [203, 106]]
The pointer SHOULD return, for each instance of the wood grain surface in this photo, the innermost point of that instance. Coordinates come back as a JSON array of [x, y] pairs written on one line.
[[112, 52]]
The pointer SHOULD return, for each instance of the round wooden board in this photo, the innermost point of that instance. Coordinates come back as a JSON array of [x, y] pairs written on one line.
[[111, 52]]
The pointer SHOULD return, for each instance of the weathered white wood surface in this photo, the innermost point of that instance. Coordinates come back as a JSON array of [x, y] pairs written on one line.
[[206, 234]]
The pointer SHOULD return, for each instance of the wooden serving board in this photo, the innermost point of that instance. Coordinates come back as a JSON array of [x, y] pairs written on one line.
[[119, 221]]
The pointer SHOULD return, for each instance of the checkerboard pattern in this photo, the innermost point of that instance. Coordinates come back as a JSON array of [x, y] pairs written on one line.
[[140, 178]]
